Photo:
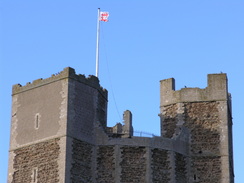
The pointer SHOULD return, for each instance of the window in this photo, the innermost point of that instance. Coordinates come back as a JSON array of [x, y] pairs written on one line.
[[34, 175], [37, 121]]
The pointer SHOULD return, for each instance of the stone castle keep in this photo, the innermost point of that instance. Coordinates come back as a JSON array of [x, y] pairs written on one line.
[[59, 133]]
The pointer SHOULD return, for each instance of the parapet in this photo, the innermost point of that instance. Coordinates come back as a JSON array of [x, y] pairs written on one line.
[[215, 91], [68, 72]]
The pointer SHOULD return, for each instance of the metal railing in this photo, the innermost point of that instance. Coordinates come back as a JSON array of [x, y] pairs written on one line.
[[143, 134]]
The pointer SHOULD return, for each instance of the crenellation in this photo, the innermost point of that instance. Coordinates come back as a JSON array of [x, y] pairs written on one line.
[[68, 72], [37, 81], [216, 90], [18, 88]]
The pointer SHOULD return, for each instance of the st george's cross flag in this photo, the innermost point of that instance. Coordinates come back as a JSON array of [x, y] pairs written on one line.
[[104, 16]]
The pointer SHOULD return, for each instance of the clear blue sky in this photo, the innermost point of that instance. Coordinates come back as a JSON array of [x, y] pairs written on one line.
[[143, 42]]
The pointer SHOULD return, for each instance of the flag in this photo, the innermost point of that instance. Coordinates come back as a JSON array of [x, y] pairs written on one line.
[[104, 16]]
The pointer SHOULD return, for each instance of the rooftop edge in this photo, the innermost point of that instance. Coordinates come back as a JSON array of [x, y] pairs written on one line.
[[217, 89], [67, 72]]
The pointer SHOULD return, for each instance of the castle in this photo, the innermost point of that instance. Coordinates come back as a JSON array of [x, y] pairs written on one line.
[[59, 133]]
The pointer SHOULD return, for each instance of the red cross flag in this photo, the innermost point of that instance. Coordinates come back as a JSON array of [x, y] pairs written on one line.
[[104, 16]]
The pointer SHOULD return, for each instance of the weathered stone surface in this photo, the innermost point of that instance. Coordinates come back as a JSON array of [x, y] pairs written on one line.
[[160, 165], [202, 118], [207, 169], [180, 168], [133, 164], [41, 156], [105, 164], [102, 110], [169, 121], [81, 164]]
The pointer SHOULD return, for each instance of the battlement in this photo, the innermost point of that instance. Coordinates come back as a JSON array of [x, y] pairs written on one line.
[[215, 91], [68, 72]]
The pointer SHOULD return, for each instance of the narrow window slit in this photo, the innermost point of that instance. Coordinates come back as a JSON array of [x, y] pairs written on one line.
[[37, 121], [195, 177], [34, 175]]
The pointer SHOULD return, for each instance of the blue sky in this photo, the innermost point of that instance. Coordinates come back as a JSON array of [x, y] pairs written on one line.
[[143, 42]]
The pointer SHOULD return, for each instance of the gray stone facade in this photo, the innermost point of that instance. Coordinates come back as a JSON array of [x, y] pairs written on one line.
[[59, 133]]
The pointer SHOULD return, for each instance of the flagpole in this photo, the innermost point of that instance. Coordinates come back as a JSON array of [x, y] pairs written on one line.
[[97, 48]]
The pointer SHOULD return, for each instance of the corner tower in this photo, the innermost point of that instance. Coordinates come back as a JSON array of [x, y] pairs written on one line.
[[52, 120], [207, 115]]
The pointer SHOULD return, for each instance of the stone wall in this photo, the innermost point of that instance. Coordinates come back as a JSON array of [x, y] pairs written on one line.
[[102, 110], [202, 118], [86, 106], [41, 158], [48, 105], [180, 168], [168, 125], [206, 169], [81, 166], [82, 109], [160, 165], [133, 164], [105, 164]]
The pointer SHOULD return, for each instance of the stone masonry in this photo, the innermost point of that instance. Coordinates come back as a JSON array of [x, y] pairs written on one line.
[[44, 154], [59, 133]]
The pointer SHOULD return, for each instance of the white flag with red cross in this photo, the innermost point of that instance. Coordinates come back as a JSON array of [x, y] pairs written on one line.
[[104, 16]]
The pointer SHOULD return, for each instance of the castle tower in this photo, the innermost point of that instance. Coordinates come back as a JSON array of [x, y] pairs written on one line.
[[59, 134], [49, 119], [207, 115]]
